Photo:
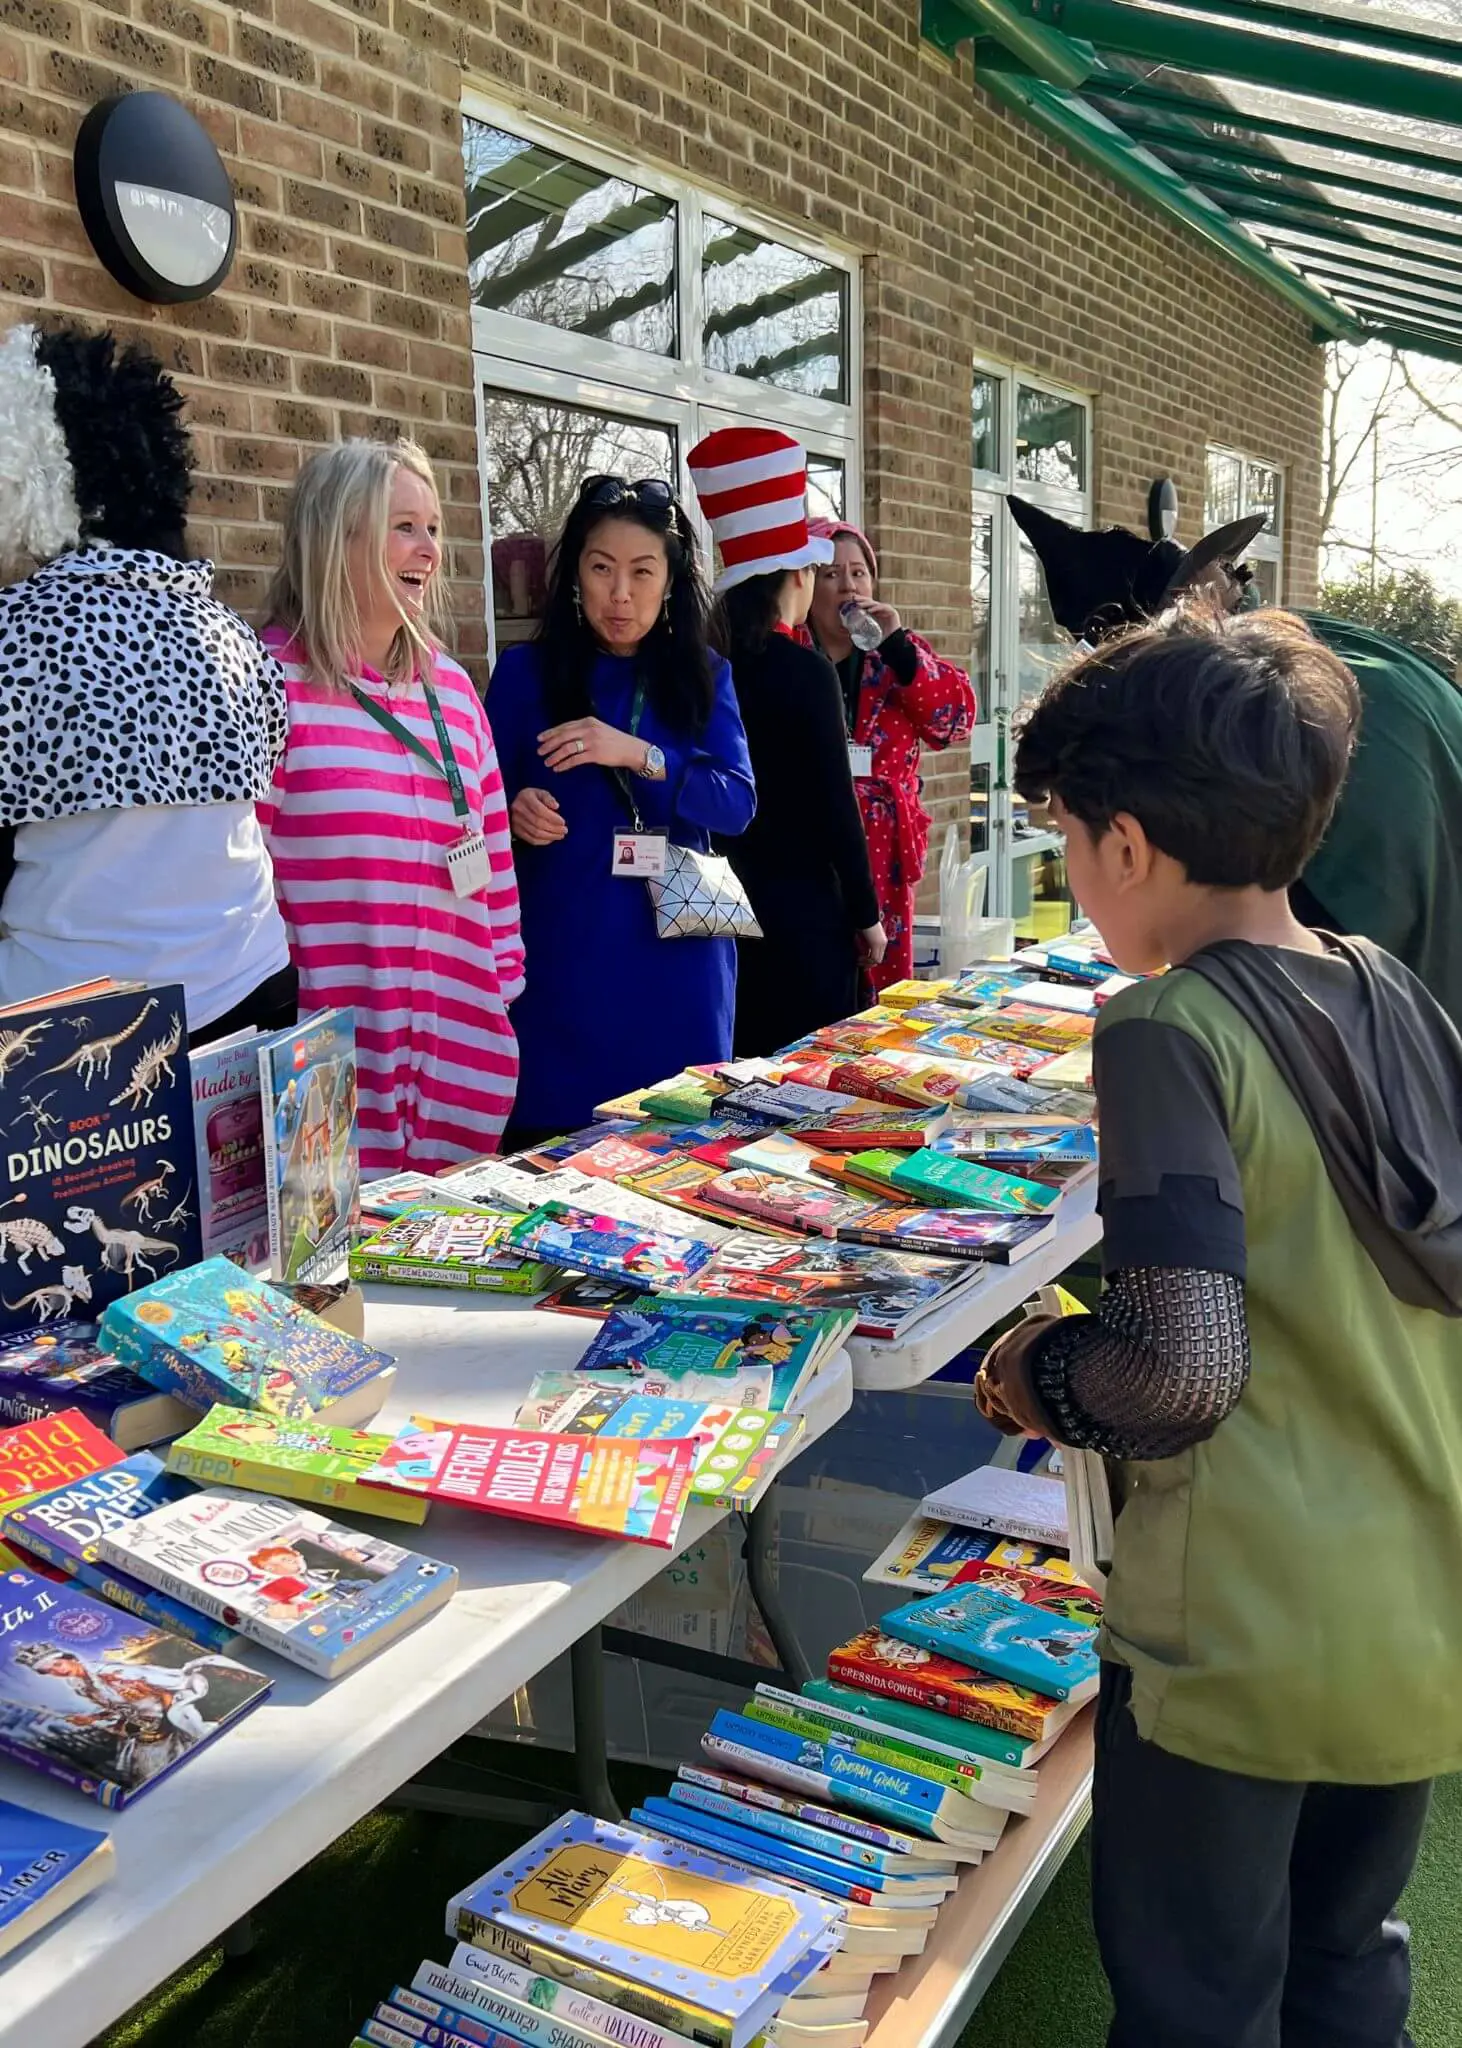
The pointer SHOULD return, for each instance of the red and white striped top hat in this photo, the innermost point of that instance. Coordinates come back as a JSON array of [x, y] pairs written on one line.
[[752, 485]]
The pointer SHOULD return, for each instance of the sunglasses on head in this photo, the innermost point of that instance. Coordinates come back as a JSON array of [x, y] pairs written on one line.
[[651, 495]]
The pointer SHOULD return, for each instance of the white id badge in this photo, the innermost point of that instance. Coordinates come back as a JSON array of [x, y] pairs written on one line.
[[638, 854], [467, 864], [860, 760]]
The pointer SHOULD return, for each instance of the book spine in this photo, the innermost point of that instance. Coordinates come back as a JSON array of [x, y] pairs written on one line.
[[868, 1742], [120, 1590], [520, 2021], [288, 1482], [99, 1789], [450, 2016], [472, 1968], [927, 1721], [764, 1858], [934, 1693], [599, 1982], [838, 1779], [1019, 1527], [867, 1832], [278, 1253], [39, 1542], [153, 1574], [34, 1406], [784, 1827]]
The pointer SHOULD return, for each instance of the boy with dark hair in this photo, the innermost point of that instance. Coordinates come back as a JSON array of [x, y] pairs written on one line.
[[1276, 1360]]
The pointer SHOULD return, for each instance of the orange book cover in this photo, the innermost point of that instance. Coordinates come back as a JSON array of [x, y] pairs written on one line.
[[875, 1663]]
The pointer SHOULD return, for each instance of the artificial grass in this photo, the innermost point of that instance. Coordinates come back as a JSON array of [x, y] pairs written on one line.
[[359, 1918]]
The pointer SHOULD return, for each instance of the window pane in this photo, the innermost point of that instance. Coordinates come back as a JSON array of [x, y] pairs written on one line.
[[985, 424], [1044, 647], [980, 807], [773, 314], [982, 542], [1266, 580], [1224, 485], [554, 241], [1261, 489], [1050, 439], [826, 497], [537, 456]]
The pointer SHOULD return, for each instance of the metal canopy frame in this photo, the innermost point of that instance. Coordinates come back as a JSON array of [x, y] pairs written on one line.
[[1317, 143]]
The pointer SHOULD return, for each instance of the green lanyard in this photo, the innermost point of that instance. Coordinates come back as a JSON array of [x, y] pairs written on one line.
[[447, 766]]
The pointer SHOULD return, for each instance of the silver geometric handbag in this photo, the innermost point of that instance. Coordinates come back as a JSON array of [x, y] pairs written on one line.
[[700, 896]]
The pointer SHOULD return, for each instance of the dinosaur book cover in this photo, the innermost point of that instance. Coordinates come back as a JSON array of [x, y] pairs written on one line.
[[100, 1189], [311, 1155]]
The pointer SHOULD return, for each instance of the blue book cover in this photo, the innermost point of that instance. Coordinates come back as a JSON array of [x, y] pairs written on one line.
[[215, 1333], [901, 1796], [727, 1942], [581, 1242], [65, 1525], [741, 1833], [412, 2007], [64, 1365], [1008, 1637], [45, 1865], [100, 1188], [323, 1595], [101, 1700], [873, 1849], [307, 1087], [879, 1869]]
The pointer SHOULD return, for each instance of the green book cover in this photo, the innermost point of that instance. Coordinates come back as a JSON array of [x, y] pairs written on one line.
[[879, 1166], [462, 1244], [291, 1460], [878, 1749], [964, 1183], [971, 1735], [678, 1105]]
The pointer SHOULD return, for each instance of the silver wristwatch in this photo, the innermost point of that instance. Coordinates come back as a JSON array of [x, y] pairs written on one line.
[[654, 767]]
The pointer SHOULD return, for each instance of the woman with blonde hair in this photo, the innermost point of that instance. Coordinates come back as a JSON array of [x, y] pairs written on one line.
[[387, 821]]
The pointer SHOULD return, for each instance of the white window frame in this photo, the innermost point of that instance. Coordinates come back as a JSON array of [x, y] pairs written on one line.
[[522, 356], [1269, 545]]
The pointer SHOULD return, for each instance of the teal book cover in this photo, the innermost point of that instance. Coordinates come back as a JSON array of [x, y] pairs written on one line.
[[1007, 1637], [973, 1736], [935, 1175]]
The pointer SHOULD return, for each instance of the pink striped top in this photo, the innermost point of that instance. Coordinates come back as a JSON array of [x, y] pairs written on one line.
[[358, 829]]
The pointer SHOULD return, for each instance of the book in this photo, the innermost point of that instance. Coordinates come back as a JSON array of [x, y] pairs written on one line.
[[319, 1593], [1021, 1504], [874, 1845], [1004, 1634], [495, 1985], [581, 1241], [965, 1184], [738, 1447], [46, 1866], [1055, 1590], [777, 1104], [887, 1290], [429, 2019], [875, 1662], [307, 1461], [754, 1849], [878, 1870], [637, 1491], [1089, 1517], [774, 1152], [1006, 1095], [64, 1525], [671, 1338], [795, 1203], [951, 1233], [990, 1745], [405, 2019], [926, 1556], [635, 1201], [307, 1089], [63, 1365], [729, 1945], [382, 1200], [104, 1702], [1042, 1030], [590, 1297], [1050, 995], [1067, 1070], [1016, 1145], [450, 1244], [963, 1041], [37, 1456], [100, 1186], [496, 1181], [687, 1104], [862, 1130], [214, 1333], [228, 1132]]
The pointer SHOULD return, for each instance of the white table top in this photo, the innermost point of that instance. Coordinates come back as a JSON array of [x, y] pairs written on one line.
[[195, 1854], [883, 1367]]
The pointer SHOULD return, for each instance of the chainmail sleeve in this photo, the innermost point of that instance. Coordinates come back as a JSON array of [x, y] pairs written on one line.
[[1154, 1371]]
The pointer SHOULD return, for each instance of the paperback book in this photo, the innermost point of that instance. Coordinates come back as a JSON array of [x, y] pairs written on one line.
[[104, 1702], [213, 1333], [228, 1131], [864, 1130], [875, 1662], [796, 1204], [1002, 1094], [45, 1866], [307, 1461], [1056, 1590], [583, 1242], [926, 1556], [872, 1844], [311, 1156], [671, 1338], [887, 1290], [738, 1448], [319, 1593], [942, 1763], [450, 1244], [602, 1485], [65, 1366], [966, 1184], [1004, 1634], [1026, 1505], [553, 1985], [951, 1233], [100, 1190], [990, 1745]]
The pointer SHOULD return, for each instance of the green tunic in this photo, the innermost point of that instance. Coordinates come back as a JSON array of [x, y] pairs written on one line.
[[1390, 868], [1286, 1594]]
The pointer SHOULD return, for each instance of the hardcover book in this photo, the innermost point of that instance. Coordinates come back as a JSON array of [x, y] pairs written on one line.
[[583, 1242], [876, 1662], [729, 1944], [102, 1701], [312, 1159], [606, 1487], [307, 1461], [213, 1333], [228, 1131], [64, 1365], [1006, 1635], [100, 1191], [446, 1244], [319, 1593], [45, 1866]]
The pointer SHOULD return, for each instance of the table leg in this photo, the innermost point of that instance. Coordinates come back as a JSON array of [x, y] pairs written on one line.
[[591, 1761], [757, 1549]]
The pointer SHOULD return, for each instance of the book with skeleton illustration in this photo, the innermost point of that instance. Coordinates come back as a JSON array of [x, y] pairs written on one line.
[[100, 1189], [307, 1086]]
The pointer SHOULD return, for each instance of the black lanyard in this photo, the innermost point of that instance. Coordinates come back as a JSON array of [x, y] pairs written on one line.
[[446, 767]]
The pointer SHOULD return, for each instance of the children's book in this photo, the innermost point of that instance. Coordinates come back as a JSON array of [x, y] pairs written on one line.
[[590, 1297], [774, 1152], [1050, 1031], [763, 1103], [1056, 1590], [307, 1461], [435, 2020], [1067, 1070], [680, 1184], [964, 1042], [989, 1745], [319, 1593], [383, 1200], [36, 1457], [879, 1870], [726, 1946], [1014, 1146], [875, 1845], [872, 1169], [626, 1202], [754, 1849], [214, 1333], [862, 1130], [100, 1188], [450, 1244], [887, 1290], [965, 1184], [1022, 1504], [926, 1556], [951, 1233], [797, 1204], [1051, 995], [980, 986], [311, 1156], [581, 1241], [671, 1338], [1089, 1515], [738, 1447], [479, 1979], [65, 1525], [65, 1366], [497, 1181], [228, 1130], [45, 1866], [1006, 1635], [945, 1756], [875, 1662], [97, 1698], [1005, 1095], [689, 1103], [605, 1486]]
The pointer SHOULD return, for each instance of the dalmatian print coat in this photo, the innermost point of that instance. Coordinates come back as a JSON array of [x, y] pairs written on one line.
[[123, 682]]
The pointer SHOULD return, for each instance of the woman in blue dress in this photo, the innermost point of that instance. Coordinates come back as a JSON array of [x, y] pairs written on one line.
[[619, 686]]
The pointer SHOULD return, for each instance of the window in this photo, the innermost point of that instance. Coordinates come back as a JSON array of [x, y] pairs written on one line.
[[617, 317], [1236, 485], [1050, 438]]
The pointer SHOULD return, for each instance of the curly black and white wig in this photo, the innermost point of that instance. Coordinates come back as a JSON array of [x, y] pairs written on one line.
[[92, 447]]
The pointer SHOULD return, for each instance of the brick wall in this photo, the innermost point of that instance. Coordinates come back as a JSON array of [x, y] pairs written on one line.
[[347, 311]]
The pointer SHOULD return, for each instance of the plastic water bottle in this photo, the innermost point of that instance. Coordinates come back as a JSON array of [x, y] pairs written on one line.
[[860, 626]]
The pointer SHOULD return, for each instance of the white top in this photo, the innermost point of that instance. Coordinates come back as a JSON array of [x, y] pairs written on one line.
[[158, 894]]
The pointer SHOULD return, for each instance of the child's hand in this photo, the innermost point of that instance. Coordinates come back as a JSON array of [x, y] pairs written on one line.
[[1003, 1391]]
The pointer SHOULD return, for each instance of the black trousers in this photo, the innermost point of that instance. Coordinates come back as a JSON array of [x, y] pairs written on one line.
[[1236, 1912], [272, 1006]]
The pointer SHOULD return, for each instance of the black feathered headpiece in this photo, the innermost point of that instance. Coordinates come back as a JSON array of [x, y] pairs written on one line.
[[1100, 581]]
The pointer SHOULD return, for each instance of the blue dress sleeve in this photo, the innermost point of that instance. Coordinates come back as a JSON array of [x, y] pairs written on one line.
[[709, 779], [513, 703]]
